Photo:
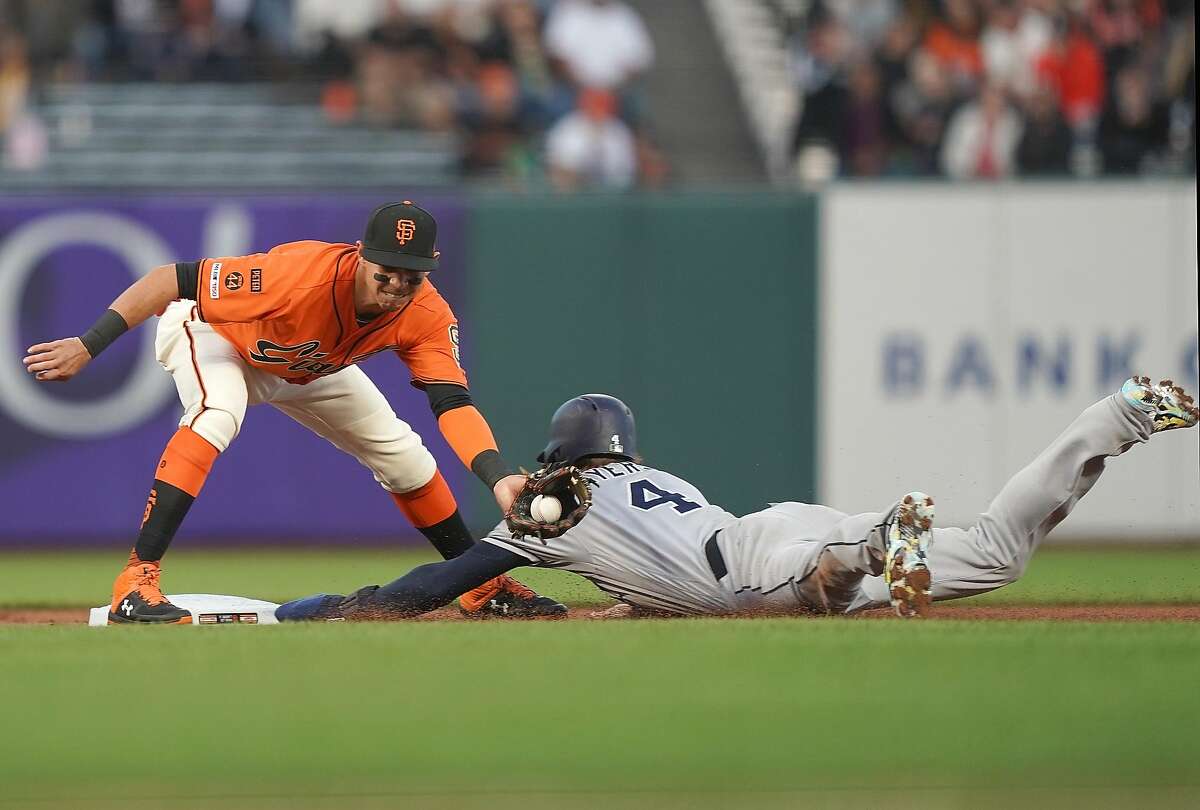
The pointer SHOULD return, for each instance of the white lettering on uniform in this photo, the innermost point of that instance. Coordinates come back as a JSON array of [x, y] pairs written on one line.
[[214, 275]]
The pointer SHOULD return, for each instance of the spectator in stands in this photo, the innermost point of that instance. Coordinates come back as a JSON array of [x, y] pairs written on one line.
[[982, 138], [600, 44], [862, 137], [22, 134], [895, 50], [820, 68], [1133, 130], [399, 77], [522, 28], [921, 107], [1002, 60], [1045, 147], [953, 40], [1072, 65], [500, 122], [14, 76], [1122, 29], [592, 147]]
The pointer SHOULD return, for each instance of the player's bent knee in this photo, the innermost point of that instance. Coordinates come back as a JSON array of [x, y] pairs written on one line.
[[1012, 570], [409, 469], [217, 427]]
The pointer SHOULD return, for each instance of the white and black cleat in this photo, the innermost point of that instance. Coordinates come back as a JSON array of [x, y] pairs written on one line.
[[906, 563]]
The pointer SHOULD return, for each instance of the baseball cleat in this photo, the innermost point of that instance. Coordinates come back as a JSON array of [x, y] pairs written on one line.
[[137, 598], [505, 598], [1166, 403], [905, 564]]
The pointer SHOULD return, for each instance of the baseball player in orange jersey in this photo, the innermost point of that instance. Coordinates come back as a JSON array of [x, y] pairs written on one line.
[[287, 327]]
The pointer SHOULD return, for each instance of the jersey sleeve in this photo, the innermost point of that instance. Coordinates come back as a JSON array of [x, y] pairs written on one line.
[[554, 552], [502, 538], [241, 289], [434, 357]]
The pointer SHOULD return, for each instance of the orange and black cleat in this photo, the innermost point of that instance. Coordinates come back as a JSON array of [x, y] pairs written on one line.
[[138, 600], [505, 598]]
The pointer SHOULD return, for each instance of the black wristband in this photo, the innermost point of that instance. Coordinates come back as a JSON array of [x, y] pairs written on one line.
[[186, 278], [490, 466], [108, 328]]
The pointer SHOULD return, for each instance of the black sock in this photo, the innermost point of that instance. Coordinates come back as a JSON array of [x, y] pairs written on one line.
[[450, 537], [166, 508]]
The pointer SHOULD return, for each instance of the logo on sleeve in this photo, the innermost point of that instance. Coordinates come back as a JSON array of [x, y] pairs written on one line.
[[214, 278], [233, 281], [454, 344], [405, 229], [255, 279]]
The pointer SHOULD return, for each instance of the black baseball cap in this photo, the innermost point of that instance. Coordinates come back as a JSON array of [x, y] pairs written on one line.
[[401, 235]]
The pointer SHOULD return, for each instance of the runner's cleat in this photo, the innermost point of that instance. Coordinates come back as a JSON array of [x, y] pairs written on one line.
[[505, 598], [905, 564], [1166, 403], [137, 598]]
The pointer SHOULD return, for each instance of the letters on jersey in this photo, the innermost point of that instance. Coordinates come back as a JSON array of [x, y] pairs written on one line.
[[296, 319], [641, 542]]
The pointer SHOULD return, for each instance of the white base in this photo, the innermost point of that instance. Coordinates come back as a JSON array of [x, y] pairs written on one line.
[[208, 608]]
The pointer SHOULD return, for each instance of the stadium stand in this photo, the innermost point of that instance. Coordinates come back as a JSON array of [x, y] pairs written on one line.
[[969, 89], [232, 136]]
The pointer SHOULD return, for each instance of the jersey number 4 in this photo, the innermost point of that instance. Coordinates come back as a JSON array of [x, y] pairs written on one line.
[[645, 495]]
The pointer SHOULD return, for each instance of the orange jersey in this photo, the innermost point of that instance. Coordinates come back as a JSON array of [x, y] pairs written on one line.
[[290, 312]]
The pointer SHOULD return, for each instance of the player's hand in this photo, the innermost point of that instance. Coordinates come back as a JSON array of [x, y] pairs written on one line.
[[507, 489], [58, 360]]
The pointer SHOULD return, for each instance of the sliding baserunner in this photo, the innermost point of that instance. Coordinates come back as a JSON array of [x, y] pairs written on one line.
[[653, 541]]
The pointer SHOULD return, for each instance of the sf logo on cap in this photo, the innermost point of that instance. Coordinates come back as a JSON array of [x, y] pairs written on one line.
[[405, 229]]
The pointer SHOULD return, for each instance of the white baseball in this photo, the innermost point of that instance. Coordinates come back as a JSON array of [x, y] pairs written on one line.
[[546, 508]]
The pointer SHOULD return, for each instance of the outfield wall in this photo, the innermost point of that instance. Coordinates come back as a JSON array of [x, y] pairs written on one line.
[[964, 327], [697, 310]]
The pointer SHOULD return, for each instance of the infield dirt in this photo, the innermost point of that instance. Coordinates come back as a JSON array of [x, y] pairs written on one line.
[[1052, 613]]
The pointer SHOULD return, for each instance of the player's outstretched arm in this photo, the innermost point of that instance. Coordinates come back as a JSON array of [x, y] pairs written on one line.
[[433, 585], [425, 588], [60, 360], [468, 434]]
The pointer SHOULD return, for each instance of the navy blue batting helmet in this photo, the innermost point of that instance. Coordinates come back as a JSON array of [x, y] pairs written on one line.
[[591, 425]]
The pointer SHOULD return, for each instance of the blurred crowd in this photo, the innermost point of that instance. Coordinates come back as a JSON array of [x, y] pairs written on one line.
[[537, 90], [981, 89]]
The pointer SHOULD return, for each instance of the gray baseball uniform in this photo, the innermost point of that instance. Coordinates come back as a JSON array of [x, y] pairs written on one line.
[[652, 540]]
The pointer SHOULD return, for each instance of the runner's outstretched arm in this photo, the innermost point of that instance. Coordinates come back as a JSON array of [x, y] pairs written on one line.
[[422, 589]]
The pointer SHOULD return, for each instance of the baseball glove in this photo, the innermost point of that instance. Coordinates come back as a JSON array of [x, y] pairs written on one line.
[[562, 481]]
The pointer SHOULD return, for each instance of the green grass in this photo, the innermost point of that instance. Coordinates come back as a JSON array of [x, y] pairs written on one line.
[[592, 709], [699, 713], [83, 579]]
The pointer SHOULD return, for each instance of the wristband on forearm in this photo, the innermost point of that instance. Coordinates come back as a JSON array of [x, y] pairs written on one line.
[[490, 466], [104, 331]]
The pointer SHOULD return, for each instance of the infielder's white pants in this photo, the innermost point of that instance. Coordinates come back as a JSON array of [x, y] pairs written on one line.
[[215, 385], [842, 572]]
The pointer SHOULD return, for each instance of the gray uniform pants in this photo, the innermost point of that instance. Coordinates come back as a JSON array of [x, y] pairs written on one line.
[[773, 567]]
